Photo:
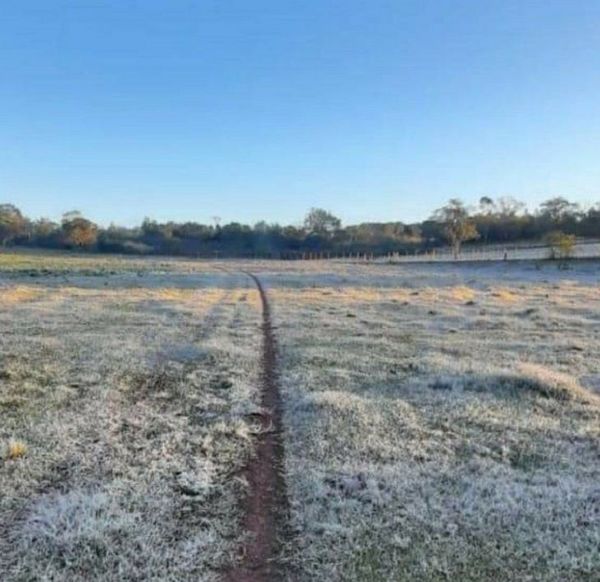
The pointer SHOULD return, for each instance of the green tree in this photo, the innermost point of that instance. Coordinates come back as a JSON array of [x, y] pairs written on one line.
[[12, 223], [78, 231], [457, 224], [45, 233], [557, 209], [561, 245], [485, 216], [486, 205], [319, 221]]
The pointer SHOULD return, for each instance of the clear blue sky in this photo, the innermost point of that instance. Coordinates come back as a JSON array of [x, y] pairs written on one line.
[[260, 109]]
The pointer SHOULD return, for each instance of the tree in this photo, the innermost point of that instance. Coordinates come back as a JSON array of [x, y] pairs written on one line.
[[508, 207], [46, 233], [261, 227], [458, 226], [319, 221], [590, 224], [561, 245], [485, 216], [486, 205], [12, 223], [78, 231], [44, 227], [557, 209]]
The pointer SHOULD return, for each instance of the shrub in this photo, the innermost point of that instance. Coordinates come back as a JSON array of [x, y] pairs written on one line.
[[561, 245]]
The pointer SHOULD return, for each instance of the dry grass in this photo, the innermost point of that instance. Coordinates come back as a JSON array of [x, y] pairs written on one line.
[[15, 449], [552, 384], [18, 294], [463, 293], [504, 295]]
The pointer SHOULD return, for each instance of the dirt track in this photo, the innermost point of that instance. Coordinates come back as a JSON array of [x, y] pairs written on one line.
[[266, 505]]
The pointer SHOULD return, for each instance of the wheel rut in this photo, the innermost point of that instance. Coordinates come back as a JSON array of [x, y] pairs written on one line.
[[266, 505]]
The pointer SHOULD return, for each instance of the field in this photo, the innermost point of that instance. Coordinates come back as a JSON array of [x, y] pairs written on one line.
[[132, 392], [438, 422]]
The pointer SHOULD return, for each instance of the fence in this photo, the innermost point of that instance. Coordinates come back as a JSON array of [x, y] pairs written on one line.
[[582, 250]]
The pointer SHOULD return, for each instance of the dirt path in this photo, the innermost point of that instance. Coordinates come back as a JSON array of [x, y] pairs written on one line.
[[266, 505]]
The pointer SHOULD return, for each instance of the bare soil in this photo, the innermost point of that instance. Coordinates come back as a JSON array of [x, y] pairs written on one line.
[[266, 507]]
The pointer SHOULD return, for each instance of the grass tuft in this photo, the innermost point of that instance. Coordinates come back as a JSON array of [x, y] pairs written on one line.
[[16, 449], [463, 293], [552, 384]]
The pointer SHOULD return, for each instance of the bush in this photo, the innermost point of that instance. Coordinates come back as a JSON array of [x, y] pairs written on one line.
[[561, 245]]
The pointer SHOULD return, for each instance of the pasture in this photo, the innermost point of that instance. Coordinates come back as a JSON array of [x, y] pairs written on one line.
[[438, 421]]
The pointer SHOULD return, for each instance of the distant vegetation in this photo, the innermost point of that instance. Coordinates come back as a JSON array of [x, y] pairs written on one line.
[[502, 221]]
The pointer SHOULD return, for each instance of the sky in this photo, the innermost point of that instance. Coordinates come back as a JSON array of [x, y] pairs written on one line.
[[376, 110]]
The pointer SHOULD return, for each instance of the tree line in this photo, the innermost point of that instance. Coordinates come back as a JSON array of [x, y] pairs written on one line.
[[504, 220]]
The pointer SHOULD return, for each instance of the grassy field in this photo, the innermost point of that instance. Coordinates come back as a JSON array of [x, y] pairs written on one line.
[[125, 414], [441, 422]]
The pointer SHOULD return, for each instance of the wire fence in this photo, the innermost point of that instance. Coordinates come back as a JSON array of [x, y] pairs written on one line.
[[582, 250]]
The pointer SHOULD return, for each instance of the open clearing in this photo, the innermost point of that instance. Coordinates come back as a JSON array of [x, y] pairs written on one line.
[[440, 422]]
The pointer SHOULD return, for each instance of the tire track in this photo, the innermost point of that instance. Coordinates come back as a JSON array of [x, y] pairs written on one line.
[[266, 505]]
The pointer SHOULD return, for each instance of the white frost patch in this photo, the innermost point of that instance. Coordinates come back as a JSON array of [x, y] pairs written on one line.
[[63, 521]]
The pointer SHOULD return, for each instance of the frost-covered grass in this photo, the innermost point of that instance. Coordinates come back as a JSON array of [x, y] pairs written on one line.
[[35, 263], [442, 423], [125, 417]]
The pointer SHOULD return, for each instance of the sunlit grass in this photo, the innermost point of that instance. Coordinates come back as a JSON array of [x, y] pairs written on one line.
[[19, 294], [16, 449]]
